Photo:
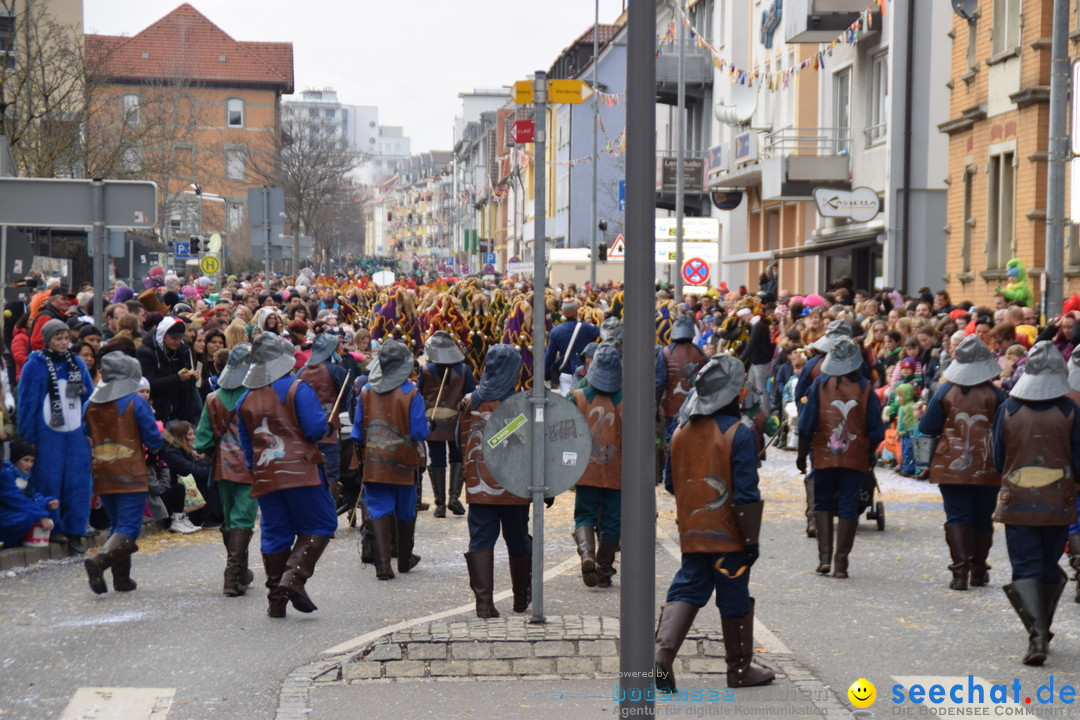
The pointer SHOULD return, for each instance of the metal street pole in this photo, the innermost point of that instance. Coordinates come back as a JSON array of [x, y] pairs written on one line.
[[637, 591], [266, 236], [680, 130], [97, 191], [595, 155], [539, 398], [1054, 261]]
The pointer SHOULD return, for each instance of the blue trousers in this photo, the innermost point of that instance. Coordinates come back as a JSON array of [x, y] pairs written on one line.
[[63, 472], [602, 507], [969, 505], [669, 430], [836, 490], [1034, 551], [125, 511], [296, 511], [387, 499], [331, 460], [699, 577], [484, 523], [907, 455], [437, 453]]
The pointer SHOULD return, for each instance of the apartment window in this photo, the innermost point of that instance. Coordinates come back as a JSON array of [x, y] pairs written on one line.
[[1073, 249], [330, 113], [7, 38], [877, 105], [236, 164], [129, 103], [1005, 33], [969, 220], [234, 112], [1000, 209], [972, 44], [313, 112], [842, 110]]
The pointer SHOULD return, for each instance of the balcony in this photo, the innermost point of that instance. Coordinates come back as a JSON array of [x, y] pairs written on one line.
[[797, 160], [820, 21], [697, 72]]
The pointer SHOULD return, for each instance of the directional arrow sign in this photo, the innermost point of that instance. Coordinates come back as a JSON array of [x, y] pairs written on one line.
[[522, 92], [573, 92]]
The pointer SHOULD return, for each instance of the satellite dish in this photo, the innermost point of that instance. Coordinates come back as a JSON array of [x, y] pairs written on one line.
[[966, 9], [743, 103]]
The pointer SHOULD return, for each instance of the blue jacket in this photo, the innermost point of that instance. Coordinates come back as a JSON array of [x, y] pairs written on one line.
[[559, 347], [18, 511]]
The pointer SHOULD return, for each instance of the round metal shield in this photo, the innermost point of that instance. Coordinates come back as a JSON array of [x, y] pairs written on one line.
[[508, 441]]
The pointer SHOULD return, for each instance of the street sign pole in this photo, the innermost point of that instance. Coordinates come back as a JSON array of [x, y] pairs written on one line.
[[266, 229], [593, 229], [539, 314], [680, 179], [97, 191]]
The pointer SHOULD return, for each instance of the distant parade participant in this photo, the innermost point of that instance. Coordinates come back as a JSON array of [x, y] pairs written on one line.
[[1036, 440], [217, 435], [565, 343], [279, 420], [444, 382], [326, 376], [841, 423], [961, 412], [1074, 529], [675, 366], [819, 348], [389, 423], [719, 511], [490, 505], [119, 423], [598, 499]]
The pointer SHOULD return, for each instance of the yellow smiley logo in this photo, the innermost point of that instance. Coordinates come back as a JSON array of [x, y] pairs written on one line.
[[862, 693]]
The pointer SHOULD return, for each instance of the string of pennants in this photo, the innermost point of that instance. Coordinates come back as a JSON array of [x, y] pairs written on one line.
[[784, 78]]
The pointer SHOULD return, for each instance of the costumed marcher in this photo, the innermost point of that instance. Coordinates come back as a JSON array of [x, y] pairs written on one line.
[[565, 343], [444, 382], [490, 505], [389, 423], [675, 366], [327, 376], [598, 500], [1074, 529], [279, 420], [1036, 440], [841, 423], [719, 511], [960, 414], [54, 386], [120, 423], [217, 435]]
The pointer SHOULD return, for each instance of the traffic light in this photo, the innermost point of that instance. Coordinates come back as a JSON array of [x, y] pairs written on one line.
[[602, 249], [195, 242]]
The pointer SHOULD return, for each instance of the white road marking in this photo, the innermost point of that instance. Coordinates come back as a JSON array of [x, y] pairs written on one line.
[[928, 708], [104, 703], [364, 639]]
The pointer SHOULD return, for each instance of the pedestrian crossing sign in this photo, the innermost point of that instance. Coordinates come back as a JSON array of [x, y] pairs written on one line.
[[617, 251]]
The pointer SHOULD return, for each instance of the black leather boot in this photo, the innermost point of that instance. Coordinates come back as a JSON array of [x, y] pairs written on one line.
[[981, 542], [959, 538], [1074, 561], [117, 546], [438, 487], [457, 481], [586, 548], [274, 564], [521, 581], [739, 651], [300, 567], [481, 564], [367, 545], [121, 572], [605, 563], [845, 538], [381, 531], [675, 621], [811, 525], [1029, 598], [823, 520], [406, 536]]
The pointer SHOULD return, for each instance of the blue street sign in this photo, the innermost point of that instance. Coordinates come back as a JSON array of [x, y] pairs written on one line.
[[182, 249], [489, 258], [622, 196]]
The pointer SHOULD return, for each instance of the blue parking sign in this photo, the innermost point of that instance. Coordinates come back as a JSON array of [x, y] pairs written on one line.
[[182, 249], [622, 196], [489, 258]]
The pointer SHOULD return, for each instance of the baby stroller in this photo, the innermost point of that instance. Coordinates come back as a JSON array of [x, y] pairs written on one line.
[[874, 510]]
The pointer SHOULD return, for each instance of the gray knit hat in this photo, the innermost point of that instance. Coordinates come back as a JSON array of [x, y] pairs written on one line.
[[51, 328]]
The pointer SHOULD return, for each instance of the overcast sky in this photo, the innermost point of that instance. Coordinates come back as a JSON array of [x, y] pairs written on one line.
[[411, 59]]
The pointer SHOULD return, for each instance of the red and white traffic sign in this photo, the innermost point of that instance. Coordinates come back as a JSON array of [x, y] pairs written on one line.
[[696, 271], [523, 131], [617, 251]]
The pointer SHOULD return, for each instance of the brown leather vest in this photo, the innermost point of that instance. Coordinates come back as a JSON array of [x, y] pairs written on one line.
[[320, 380], [282, 457], [964, 455], [446, 415], [840, 440], [1037, 484], [390, 453], [118, 463], [480, 487], [683, 359], [229, 462], [605, 427], [704, 493]]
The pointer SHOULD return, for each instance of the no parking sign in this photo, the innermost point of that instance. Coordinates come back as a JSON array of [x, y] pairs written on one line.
[[695, 271]]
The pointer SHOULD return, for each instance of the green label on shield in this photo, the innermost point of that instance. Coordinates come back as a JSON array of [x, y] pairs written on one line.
[[499, 437]]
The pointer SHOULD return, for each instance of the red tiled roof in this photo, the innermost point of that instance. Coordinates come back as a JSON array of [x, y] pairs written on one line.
[[186, 44]]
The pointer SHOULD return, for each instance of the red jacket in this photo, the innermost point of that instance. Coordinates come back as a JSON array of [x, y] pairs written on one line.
[[20, 349]]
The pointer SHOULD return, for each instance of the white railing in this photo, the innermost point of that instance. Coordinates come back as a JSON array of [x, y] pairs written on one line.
[[807, 141]]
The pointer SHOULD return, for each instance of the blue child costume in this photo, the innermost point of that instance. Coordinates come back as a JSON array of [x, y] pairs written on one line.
[[444, 382], [279, 419], [841, 423], [960, 413], [491, 507], [389, 422], [1036, 440], [52, 390], [119, 423], [20, 507], [598, 498], [719, 512]]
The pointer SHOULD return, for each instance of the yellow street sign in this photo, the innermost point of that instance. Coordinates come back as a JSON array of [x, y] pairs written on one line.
[[210, 265], [522, 92], [573, 92]]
